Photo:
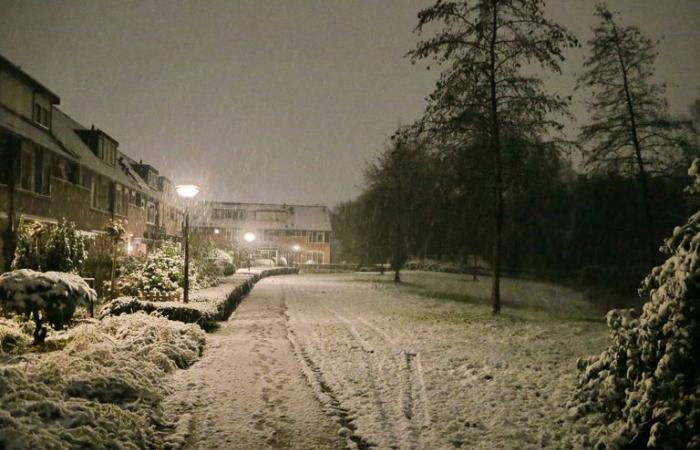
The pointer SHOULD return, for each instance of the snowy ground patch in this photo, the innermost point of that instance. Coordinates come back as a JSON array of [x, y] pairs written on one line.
[[426, 365]]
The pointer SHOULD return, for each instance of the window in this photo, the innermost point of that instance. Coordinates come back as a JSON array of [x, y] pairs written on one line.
[[42, 116], [231, 234], [100, 193], [65, 170], [6, 156], [106, 151], [270, 235], [151, 215], [84, 178], [316, 257], [121, 200], [151, 179], [231, 214], [271, 216], [35, 168]]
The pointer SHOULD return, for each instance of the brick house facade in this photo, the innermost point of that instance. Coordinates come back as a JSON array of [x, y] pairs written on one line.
[[52, 167]]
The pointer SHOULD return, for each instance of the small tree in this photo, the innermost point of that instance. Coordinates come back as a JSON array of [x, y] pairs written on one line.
[[630, 130], [46, 297], [28, 250], [645, 384], [115, 230], [57, 247], [65, 248]]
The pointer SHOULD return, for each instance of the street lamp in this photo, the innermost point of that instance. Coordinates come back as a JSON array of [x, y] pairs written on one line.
[[296, 248], [187, 191], [249, 238]]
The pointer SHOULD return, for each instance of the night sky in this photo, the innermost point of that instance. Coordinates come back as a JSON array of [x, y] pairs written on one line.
[[276, 101]]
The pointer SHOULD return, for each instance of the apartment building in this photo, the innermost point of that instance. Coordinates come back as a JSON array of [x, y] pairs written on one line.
[[299, 233]]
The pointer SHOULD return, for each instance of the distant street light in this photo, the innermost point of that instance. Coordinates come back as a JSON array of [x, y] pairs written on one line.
[[216, 231], [187, 191], [296, 248], [249, 238]]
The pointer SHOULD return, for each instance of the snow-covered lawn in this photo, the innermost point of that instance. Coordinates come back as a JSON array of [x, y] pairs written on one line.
[[426, 365]]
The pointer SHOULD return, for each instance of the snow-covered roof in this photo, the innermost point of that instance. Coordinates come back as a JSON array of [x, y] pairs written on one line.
[[64, 129]]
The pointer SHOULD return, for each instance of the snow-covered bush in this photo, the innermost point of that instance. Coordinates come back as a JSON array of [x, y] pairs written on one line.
[[11, 336], [162, 271], [59, 247], [28, 248], [103, 390], [48, 297], [65, 248], [229, 269], [645, 387]]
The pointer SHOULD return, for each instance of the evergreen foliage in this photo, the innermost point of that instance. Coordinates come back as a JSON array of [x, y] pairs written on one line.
[[59, 247], [645, 385], [48, 297]]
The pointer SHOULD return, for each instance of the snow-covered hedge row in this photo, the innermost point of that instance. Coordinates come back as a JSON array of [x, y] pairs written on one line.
[[103, 390], [204, 311], [644, 389]]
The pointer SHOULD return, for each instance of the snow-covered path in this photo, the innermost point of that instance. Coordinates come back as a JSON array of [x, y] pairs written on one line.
[[247, 391], [319, 361]]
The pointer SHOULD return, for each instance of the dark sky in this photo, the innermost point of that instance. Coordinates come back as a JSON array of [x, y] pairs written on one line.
[[278, 101]]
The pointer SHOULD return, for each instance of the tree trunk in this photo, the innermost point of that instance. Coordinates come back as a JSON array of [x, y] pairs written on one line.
[[113, 284], [642, 174], [39, 330], [498, 185], [397, 277]]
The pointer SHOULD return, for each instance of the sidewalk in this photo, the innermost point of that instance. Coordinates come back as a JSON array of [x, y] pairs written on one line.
[[247, 391]]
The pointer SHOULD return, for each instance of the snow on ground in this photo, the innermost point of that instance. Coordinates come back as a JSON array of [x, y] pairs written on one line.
[[247, 391], [421, 366], [415, 372]]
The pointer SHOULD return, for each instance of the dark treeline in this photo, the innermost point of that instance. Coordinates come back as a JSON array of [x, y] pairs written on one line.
[[487, 175]]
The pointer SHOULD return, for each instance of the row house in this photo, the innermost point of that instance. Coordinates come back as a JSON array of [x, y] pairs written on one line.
[[299, 233], [52, 167]]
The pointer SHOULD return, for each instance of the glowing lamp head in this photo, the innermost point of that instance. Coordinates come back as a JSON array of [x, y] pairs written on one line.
[[296, 247], [216, 231], [249, 237], [187, 190]]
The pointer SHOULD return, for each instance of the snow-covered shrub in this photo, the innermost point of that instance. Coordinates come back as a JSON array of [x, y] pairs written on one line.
[[162, 271], [11, 336], [48, 297], [28, 249], [103, 390], [645, 386], [229, 269], [59, 247], [65, 248]]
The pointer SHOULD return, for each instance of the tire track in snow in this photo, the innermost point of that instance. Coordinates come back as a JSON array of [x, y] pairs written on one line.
[[413, 400], [324, 392]]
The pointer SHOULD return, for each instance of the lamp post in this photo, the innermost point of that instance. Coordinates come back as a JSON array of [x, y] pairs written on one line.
[[296, 248], [249, 238], [187, 191]]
